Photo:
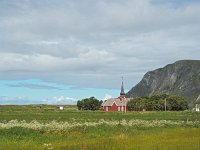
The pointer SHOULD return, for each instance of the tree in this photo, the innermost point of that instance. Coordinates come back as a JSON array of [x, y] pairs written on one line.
[[136, 104], [89, 104], [79, 104], [177, 103], [157, 102]]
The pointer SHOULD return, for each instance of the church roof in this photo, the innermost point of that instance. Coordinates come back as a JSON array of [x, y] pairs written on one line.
[[198, 100], [117, 101], [122, 88]]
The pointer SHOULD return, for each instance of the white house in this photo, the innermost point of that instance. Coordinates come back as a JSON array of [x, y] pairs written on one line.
[[197, 107], [61, 107]]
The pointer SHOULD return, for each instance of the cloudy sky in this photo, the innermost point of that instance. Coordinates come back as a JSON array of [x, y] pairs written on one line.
[[58, 51]]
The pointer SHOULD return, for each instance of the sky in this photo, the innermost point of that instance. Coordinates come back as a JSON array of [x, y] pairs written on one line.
[[60, 51]]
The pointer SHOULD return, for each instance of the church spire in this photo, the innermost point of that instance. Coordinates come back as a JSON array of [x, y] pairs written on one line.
[[122, 93]]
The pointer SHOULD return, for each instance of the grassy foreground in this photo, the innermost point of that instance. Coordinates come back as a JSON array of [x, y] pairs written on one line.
[[34, 127]]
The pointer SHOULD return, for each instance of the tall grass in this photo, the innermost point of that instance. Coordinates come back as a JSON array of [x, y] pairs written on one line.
[[161, 139], [34, 127], [60, 126]]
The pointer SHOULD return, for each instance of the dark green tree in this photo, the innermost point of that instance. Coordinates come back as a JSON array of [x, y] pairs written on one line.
[[79, 104], [136, 104], [176, 103], [89, 104], [157, 103]]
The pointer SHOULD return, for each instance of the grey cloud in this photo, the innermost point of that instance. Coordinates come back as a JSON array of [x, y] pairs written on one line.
[[34, 86], [92, 43], [5, 100]]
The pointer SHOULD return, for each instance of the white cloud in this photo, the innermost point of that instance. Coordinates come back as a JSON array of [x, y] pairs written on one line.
[[50, 43], [107, 96], [61, 100]]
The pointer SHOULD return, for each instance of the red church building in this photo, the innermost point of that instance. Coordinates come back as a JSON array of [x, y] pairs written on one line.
[[116, 104]]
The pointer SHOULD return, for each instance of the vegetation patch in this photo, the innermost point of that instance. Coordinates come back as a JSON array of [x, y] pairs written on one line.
[[158, 103], [32, 127]]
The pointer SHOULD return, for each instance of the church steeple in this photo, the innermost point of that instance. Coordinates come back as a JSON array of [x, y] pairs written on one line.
[[122, 93]]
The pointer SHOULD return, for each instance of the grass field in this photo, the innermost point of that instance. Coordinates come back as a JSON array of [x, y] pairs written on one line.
[[45, 127]]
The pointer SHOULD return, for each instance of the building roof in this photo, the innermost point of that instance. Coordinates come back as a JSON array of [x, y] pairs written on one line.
[[117, 101], [198, 105], [198, 100]]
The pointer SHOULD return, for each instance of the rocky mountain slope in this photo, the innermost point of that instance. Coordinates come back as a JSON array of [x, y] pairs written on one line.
[[181, 78]]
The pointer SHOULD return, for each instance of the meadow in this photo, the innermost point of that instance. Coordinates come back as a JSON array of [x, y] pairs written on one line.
[[46, 127]]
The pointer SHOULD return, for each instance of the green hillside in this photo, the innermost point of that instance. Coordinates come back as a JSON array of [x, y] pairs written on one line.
[[181, 78]]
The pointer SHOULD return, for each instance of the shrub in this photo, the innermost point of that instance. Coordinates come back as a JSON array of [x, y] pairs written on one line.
[[157, 102], [89, 104]]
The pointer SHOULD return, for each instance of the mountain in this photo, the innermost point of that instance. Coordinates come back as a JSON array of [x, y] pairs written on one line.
[[180, 78]]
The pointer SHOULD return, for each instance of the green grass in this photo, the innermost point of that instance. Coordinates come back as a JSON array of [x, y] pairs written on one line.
[[163, 139], [50, 112], [98, 137]]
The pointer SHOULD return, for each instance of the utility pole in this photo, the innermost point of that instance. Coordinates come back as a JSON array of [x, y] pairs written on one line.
[[165, 104], [125, 106]]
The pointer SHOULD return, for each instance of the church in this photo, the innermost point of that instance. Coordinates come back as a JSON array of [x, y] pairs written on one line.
[[116, 104]]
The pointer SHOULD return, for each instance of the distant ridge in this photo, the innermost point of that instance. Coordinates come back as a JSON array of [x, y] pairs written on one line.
[[180, 78]]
